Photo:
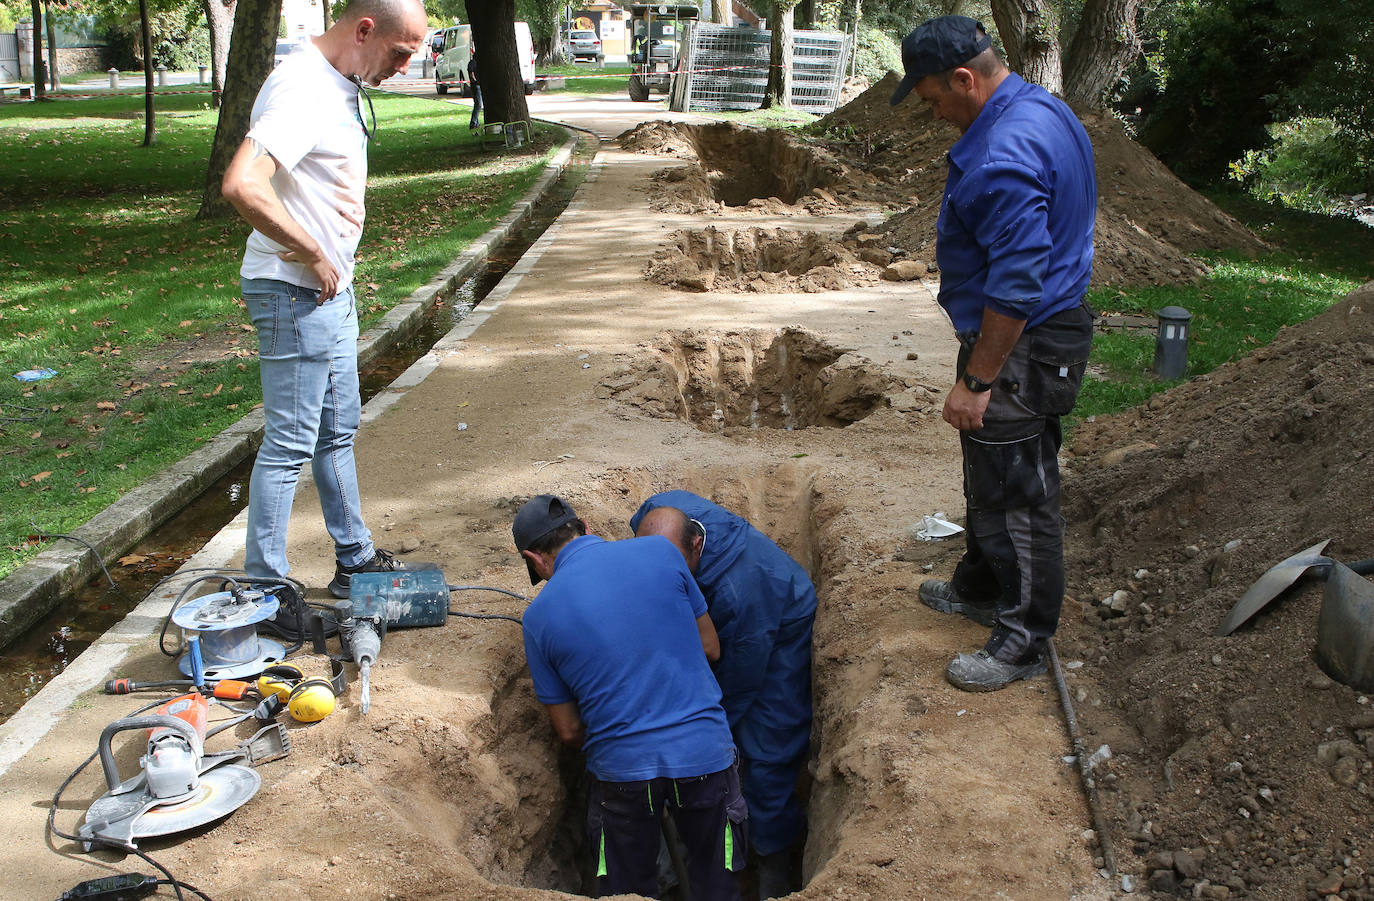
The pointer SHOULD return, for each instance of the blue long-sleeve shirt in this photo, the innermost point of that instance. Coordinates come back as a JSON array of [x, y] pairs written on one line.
[[1015, 231], [762, 604]]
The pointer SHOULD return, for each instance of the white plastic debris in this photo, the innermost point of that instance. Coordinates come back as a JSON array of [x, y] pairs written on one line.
[[1098, 757], [935, 526], [462, 426]]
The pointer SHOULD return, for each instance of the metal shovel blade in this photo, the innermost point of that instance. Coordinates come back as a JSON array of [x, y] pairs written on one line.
[[1273, 583]]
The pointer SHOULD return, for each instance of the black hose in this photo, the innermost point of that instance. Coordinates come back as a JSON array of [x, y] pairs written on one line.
[[513, 619], [520, 597], [176, 884], [485, 616], [1104, 835]]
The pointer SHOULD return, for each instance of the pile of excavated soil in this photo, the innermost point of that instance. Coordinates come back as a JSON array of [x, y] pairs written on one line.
[[1149, 224], [1237, 764], [760, 260], [785, 379]]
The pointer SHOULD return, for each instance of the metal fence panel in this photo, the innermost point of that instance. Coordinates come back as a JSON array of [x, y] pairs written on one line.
[[727, 69], [9, 58]]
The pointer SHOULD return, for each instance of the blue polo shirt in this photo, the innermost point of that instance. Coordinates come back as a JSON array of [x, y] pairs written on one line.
[[1015, 231], [615, 631]]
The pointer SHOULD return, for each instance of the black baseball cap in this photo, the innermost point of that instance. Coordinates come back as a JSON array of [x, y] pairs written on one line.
[[937, 46], [536, 518]]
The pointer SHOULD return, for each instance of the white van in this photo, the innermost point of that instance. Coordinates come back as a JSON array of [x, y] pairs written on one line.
[[454, 48], [524, 49]]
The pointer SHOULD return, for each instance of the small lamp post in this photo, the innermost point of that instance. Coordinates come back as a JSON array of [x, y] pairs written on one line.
[[1171, 342]]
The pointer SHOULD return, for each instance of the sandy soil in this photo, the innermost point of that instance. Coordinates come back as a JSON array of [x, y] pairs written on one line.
[[808, 402]]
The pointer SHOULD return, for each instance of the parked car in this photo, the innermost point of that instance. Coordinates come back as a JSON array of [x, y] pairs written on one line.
[[585, 44], [285, 47]]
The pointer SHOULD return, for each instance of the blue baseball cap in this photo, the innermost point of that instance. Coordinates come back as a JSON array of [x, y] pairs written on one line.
[[937, 46]]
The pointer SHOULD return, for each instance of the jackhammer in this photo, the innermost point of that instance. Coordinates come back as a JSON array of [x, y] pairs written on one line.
[[387, 600]]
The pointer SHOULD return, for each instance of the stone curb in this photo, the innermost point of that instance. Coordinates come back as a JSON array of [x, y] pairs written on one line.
[[32, 591]]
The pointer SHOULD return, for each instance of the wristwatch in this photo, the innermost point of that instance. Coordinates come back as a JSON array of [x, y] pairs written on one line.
[[975, 384]]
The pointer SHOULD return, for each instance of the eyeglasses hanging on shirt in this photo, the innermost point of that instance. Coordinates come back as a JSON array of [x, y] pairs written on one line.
[[372, 113]]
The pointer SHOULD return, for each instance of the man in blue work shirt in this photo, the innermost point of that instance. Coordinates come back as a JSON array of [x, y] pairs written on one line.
[[762, 605], [1014, 243], [617, 644]]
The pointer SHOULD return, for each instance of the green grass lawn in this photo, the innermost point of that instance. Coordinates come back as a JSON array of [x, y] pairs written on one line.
[[107, 278], [1240, 306], [585, 78]]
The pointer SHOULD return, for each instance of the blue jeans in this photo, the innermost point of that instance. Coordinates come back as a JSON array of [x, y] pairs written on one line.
[[309, 365]]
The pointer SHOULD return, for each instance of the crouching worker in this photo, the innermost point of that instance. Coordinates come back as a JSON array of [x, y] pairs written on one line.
[[617, 644], [763, 606]]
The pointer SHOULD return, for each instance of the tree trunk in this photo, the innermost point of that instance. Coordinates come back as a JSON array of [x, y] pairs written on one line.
[[54, 80], [493, 34], [149, 120], [1030, 34], [40, 78], [328, 15], [1105, 43], [779, 90], [250, 62], [826, 15], [219, 15], [720, 12], [851, 11]]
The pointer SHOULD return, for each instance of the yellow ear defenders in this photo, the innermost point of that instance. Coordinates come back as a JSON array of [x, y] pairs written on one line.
[[278, 680], [311, 700]]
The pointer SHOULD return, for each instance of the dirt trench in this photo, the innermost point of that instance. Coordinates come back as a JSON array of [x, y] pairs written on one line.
[[786, 379]]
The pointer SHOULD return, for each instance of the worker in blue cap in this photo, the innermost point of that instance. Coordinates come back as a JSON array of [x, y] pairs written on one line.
[[618, 645], [762, 605], [1014, 244]]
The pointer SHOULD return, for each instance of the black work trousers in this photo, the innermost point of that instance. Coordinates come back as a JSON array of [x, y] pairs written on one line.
[[623, 825], [1014, 554]]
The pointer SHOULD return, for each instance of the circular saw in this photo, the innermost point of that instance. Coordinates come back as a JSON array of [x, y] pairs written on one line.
[[178, 786]]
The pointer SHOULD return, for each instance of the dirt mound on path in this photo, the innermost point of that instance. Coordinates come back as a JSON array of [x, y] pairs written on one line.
[[1237, 750], [1149, 223], [787, 379]]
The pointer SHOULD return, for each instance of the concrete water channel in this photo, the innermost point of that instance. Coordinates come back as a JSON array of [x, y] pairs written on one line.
[[46, 648]]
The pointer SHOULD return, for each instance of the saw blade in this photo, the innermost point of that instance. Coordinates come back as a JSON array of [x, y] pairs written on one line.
[[222, 790]]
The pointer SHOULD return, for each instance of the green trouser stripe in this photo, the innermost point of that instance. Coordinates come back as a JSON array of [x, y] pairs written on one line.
[[649, 790], [601, 864], [677, 794], [729, 847]]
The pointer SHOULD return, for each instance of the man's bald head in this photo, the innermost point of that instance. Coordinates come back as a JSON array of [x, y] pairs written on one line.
[[677, 527]]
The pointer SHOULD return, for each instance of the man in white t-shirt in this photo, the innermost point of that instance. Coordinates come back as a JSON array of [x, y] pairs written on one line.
[[298, 178]]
